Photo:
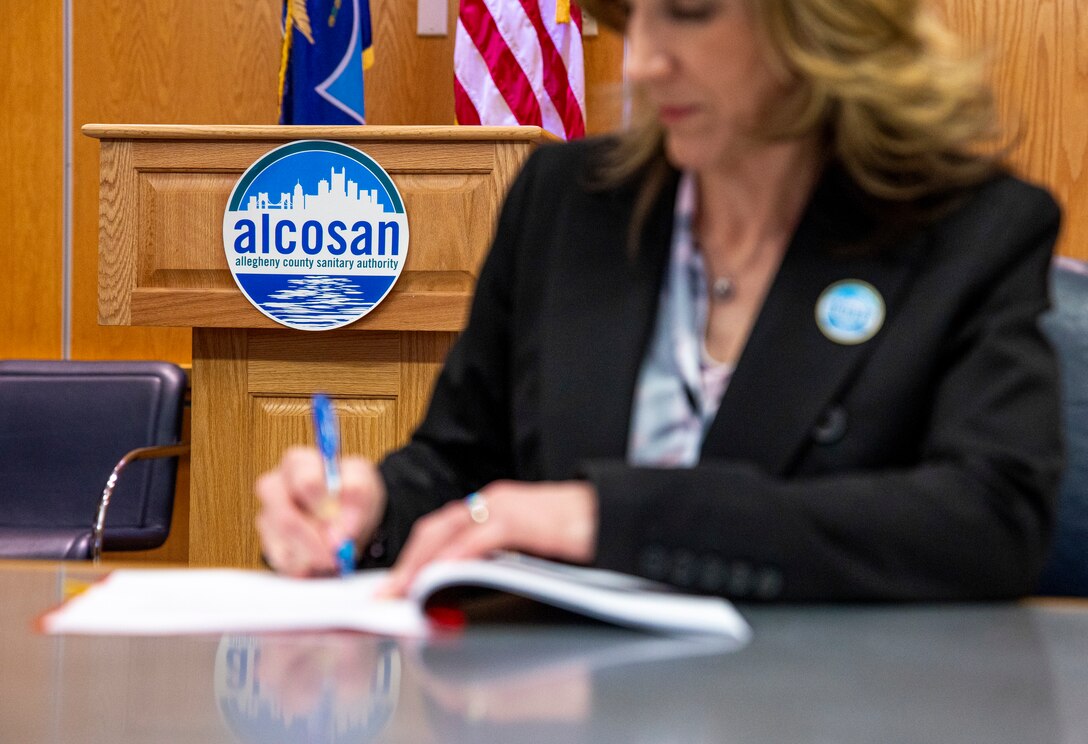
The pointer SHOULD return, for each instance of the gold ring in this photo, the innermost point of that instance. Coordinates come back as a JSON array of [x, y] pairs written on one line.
[[477, 507]]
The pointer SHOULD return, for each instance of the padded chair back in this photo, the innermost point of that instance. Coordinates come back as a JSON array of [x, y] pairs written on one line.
[[63, 427], [1066, 571]]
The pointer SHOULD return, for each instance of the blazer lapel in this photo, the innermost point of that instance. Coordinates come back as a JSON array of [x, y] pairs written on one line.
[[789, 372], [600, 308]]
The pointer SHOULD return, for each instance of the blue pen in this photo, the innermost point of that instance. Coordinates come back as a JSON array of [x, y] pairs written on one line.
[[327, 431]]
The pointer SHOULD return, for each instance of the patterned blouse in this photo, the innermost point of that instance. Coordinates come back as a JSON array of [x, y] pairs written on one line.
[[679, 386]]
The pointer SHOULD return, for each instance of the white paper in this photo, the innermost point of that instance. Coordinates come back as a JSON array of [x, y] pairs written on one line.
[[182, 601], [605, 595]]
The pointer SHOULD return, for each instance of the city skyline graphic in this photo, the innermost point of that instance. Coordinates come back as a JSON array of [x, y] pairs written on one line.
[[289, 262]]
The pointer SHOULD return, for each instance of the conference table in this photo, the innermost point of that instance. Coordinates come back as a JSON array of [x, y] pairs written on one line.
[[878, 674]]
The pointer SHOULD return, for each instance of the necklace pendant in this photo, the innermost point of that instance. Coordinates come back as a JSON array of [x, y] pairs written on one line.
[[723, 289]]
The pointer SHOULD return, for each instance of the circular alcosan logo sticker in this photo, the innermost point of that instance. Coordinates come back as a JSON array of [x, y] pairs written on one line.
[[315, 234], [850, 312]]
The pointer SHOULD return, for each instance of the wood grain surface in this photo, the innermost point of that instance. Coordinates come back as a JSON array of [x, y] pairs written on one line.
[[251, 402], [1039, 50], [162, 197], [252, 381], [207, 62], [160, 63], [31, 189]]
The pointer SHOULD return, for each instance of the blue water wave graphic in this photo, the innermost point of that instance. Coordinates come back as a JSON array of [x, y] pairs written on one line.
[[311, 302]]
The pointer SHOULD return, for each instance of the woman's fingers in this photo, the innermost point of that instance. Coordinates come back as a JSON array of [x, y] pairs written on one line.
[[554, 520], [301, 525], [291, 544], [362, 500], [429, 535], [303, 473]]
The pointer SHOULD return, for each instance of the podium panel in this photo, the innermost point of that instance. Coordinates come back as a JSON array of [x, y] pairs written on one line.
[[163, 193]]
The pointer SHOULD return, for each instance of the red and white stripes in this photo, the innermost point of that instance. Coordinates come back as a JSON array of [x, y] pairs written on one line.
[[514, 63]]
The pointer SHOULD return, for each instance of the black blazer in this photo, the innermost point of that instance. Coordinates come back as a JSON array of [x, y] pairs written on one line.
[[920, 464]]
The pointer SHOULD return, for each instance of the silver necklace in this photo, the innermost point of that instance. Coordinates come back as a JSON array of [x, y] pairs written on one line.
[[723, 289]]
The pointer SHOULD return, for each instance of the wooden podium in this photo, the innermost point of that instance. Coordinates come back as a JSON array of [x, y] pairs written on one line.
[[163, 193]]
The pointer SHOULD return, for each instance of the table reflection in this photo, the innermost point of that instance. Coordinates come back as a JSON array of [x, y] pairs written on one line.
[[980, 673], [535, 685], [309, 688], [999, 674], [824, 674], [525, 685]]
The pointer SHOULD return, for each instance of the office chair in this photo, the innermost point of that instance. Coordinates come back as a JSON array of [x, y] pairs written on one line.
[[1066, 571], [76, 440]]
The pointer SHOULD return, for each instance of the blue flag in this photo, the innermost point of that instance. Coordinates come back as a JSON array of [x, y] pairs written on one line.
[[326, 47]]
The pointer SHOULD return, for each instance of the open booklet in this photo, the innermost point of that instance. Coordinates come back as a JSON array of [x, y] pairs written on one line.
[[180, 601]]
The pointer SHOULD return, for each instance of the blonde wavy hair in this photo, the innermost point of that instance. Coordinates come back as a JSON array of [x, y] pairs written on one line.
[[883, 83]]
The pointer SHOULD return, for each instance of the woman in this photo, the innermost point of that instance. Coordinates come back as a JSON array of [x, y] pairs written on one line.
[[778, 341]]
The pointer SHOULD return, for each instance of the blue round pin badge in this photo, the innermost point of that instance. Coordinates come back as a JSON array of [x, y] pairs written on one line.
[[315, 234], [850, 312]]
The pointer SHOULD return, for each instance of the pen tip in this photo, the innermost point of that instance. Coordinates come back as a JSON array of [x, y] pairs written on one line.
[[345, 557]]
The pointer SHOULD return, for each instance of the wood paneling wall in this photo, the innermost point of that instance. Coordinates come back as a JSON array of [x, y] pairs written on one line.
[[154, 62], [148, 61], [216, 61], [1040, 53], [31, 184]]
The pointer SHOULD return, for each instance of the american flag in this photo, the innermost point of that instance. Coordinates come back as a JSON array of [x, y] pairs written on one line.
[[520, 62]]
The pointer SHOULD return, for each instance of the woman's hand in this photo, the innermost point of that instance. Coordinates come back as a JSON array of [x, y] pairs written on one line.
[[300, 526], [552, 520]]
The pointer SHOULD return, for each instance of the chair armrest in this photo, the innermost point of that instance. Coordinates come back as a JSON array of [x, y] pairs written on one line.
[[141, 453]]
